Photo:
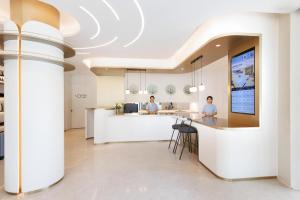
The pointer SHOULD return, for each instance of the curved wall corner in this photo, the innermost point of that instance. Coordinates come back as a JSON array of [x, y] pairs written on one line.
[[11, 145], [34, 116]]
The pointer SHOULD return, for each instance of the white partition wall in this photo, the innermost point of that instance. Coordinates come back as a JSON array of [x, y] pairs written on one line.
[[34, 142], [295, 99]]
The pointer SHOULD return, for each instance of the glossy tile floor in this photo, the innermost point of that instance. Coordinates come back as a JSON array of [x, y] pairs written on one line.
[[137, 171]]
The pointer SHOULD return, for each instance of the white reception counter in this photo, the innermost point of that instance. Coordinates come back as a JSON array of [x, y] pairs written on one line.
[[229, 153], [108, 127]]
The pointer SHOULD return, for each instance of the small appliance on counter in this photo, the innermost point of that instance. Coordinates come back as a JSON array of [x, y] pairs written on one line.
[[131, 108]]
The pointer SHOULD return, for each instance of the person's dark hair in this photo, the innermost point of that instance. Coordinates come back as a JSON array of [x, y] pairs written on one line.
[[209, 97], [152, 97]]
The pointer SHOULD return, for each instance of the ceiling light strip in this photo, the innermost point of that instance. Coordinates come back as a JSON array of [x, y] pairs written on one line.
[[142, 24], [112, 10], [82, 53], [97, 46], [94, 19]]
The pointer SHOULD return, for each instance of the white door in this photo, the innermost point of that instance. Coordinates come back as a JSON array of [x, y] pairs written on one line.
[[79, 98]]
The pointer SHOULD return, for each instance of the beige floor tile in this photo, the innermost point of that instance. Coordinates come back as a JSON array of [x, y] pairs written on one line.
[[147, 170]]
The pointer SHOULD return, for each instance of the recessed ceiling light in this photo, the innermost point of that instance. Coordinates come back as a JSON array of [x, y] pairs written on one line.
[[94, 19], [218, 45], [112, 10], [87, 63], [142, 24]]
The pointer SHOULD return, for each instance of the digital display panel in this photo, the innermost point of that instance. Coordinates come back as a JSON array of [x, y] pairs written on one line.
[[243, 82]]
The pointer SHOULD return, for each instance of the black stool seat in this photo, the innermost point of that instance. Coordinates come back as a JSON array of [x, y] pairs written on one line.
[[187, 129], [186, 133], [176, 126]]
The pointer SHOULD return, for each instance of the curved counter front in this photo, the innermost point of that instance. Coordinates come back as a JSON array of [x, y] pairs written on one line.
[[228, 152], [109, 127]]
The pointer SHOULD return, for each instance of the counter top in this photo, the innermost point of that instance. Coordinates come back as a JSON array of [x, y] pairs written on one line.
[[214, 122]]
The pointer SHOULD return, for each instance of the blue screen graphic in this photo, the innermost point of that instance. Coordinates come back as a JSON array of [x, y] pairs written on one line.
[[243, 83]]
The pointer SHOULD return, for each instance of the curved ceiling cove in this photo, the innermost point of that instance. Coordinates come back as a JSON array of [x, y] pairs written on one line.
[[69, 26], [94, 19]]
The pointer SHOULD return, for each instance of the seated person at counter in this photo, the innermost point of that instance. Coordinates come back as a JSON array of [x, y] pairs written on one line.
[[209, 110], [152, 107]]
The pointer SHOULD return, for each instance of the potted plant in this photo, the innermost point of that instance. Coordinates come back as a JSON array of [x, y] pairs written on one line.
[[118, 108]]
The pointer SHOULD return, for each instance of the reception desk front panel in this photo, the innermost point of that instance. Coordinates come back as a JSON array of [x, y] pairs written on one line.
[[228, 152]]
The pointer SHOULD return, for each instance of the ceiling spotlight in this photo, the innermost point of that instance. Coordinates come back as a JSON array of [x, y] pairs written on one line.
[[141, 92], [127, 91], [218, 45]]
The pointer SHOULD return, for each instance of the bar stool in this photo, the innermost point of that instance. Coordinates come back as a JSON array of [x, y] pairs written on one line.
[[179, 133], [186, 132], [175, 127]]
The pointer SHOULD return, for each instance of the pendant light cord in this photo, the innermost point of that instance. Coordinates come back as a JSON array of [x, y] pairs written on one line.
[[193, 74], [201, 71], [145, 79], [140, 80], [127, 79]]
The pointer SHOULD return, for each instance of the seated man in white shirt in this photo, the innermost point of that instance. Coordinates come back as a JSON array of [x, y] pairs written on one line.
[[209, 110], [152, 107]]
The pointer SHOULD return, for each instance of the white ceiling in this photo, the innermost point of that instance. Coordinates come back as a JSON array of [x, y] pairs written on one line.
[[168, 23]]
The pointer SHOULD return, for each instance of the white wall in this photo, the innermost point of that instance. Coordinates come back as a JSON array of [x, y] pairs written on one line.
[[110, 90], [288, 100], [215, 79], [161, 81], [105, 91], [265, 26], [284, 100], [83, 84], [295, 99]]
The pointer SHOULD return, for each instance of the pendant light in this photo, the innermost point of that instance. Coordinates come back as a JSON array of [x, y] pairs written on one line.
[[193, 89], [145, 84], [127, 91], [201, 86], [141, 91]]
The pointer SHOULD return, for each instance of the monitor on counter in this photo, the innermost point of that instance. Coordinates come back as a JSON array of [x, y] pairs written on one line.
[[131, 108], [243, 82]]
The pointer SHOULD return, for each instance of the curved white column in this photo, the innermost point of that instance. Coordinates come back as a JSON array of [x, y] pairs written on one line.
[[40, 161]]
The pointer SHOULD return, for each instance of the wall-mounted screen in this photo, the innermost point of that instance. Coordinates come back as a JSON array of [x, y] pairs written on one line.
[[243, 82]]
